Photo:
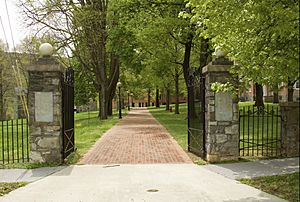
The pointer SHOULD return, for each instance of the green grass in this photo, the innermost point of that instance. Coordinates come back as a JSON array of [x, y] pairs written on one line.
[[284, 186], [176, 124], [8, 187], [88, 131], [260, 128], [13, 141]]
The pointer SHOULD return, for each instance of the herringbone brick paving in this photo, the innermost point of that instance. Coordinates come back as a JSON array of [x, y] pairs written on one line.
[[136, 139]]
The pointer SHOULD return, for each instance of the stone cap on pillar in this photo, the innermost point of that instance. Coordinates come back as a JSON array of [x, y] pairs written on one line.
[[46, 64], [216, 68]]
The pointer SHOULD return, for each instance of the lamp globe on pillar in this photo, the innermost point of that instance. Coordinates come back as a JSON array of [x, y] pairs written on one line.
[[119, 84], [128, 102], [46, 50], [219, 53]]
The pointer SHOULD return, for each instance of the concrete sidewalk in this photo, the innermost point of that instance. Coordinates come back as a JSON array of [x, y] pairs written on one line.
[[256, 168], [143, 182], [27, 175]]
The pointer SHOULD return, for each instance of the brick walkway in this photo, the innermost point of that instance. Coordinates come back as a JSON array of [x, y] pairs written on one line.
[[137, 139]]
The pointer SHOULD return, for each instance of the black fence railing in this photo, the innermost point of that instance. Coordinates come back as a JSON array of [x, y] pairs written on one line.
[[260, 131], [14, 141]]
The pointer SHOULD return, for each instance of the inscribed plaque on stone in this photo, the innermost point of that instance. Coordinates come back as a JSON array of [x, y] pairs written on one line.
[[223, 104], [43, 106]]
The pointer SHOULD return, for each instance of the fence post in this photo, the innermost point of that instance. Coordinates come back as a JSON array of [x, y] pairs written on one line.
[[221, 114], [45, 109], [290, 129]]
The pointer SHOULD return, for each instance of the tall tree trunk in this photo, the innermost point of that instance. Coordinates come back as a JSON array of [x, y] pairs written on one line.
[[259, 102], [275, 97], [204, 52], [186, 72], [113, 80], [177, 93], [149, 97], [157, 98], [186, 60], [290, 90], [109, 108], [99, 108], [275, 94], [167, 98], [104, 102]]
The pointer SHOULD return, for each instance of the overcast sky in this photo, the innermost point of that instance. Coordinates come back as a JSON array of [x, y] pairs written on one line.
[[19, 30]]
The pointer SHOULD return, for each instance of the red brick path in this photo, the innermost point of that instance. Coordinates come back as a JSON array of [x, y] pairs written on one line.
[[138, 138]]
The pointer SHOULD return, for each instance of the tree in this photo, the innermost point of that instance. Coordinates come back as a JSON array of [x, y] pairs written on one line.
[[84, 91], [165, 39], [82, 29], [262, 36]]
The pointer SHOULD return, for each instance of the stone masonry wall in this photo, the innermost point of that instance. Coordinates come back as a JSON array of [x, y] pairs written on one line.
[[45, 136], [290, 129], [222, 126]]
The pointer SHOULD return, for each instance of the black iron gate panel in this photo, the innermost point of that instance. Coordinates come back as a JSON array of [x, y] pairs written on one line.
[[196, 114], [68, 113], [260, 131]]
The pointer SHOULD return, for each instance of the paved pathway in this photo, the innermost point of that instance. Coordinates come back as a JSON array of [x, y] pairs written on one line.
[[137, 183], [137, 139], [256, 168], [127, 153], [27, 175]]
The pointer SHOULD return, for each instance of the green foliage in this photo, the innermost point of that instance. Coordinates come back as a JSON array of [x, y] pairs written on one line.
[[84, 88], [285, 186], [176, 124], [224, 87], [262, 36]]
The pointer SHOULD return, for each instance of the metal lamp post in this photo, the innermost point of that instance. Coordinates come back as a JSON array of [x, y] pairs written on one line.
[[119, 84], [128, 104]]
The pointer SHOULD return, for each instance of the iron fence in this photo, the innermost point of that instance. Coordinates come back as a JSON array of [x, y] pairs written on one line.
[[14, 142], [260, 131], [68, 112], [196, 114]]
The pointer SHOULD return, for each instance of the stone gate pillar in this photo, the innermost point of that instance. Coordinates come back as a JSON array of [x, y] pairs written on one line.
[[45, 108], [221, 114], [290, 129]]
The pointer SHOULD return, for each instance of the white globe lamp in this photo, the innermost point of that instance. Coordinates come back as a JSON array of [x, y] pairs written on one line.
[[46, 49], [219, 53]]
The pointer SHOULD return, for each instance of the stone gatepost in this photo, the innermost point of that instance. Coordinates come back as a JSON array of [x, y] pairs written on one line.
[[45, 108], [290, 129], [221, 114]]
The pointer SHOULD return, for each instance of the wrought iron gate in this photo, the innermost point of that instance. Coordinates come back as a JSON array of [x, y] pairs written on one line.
[[196, 114], [260, 131], [68, 112]]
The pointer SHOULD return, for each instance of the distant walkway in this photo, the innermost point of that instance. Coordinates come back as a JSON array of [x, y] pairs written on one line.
[[256, 168], [137, 139]]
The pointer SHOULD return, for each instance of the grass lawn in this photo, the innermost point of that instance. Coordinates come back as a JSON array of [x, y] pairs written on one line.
[[13, 141], [88, 131], [176, 124], [284, 186], [8, 187], [259, 128]]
